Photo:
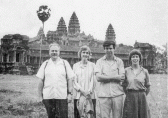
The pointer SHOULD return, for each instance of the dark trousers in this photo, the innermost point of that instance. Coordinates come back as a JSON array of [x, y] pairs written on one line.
[[76, 113], [56, 108]]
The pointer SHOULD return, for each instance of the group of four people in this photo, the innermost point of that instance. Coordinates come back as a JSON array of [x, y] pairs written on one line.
[[105, 82]]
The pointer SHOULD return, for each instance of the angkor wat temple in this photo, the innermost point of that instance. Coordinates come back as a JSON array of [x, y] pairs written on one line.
[[20, 54]]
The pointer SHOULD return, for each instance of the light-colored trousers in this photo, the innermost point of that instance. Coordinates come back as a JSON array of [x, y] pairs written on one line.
[[111, 104]]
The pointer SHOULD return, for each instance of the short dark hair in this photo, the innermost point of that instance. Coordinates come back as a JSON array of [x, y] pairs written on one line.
[[137, 52], [108, 43]]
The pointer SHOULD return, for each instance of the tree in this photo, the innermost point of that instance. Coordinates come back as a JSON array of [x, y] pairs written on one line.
[[161, 62]]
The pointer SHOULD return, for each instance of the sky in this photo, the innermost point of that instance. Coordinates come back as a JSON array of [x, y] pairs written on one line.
[[133, 20]]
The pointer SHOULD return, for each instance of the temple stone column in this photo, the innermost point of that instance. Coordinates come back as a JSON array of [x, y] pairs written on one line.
[[2, 58], [7, 57], [23, 54], [29, 58], [26, 58], [14, 56], [42, 60], [20, 57]]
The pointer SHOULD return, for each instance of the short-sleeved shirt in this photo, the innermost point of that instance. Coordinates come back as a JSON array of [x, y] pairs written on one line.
[[85, 77], [103, 66], [139, 81], [55, 83]]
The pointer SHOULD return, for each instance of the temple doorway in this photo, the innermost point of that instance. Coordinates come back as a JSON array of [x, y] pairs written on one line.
[[5, 57], [17, 57]]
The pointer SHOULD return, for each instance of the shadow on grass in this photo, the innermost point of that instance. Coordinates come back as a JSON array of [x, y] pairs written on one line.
[[4, 93], [23, 109], [9, 91], [32, 110], [20, 108]]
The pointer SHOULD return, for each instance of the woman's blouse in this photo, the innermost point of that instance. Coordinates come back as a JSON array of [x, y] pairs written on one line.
[[139, 81], [84, 77]]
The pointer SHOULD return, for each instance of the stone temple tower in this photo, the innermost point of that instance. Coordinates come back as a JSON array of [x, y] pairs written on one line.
[[74, 26], [62, 29], [40, 34], [110, 34]]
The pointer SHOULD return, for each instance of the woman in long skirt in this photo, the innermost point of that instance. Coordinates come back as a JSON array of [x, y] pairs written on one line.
[[137, 87]]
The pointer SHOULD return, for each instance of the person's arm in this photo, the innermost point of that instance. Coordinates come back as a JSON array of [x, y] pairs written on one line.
[[40, 89], [76, 86], [70, 77], [99, 73], [125, 83], [70, 87], [106, 78], [40, 77], [147, 82], [147, 90], [69, 90], [121, 70], [91, 83]]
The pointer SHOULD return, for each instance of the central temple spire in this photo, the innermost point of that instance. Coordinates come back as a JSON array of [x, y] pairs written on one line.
[[110, 34], [74, 26]]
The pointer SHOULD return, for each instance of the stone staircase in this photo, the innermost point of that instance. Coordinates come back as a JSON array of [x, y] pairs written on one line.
[[21, 69], [15, 69]]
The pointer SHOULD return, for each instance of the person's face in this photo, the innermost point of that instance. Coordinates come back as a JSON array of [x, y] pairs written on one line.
[[109, 50], [84, 54], [135, 59], [54, 52]]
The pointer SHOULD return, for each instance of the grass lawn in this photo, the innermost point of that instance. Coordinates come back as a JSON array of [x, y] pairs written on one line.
[[18, 97]]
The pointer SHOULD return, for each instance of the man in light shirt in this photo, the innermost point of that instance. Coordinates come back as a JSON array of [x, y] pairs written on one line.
[[110, 73], [56, 75]]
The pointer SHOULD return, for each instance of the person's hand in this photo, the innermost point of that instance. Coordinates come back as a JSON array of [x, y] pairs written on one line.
[[69, 98], [88, 94], [85, 93]]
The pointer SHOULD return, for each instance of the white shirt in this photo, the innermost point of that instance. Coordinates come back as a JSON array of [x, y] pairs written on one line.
[[85, 78], [109, 89], [55, 83]]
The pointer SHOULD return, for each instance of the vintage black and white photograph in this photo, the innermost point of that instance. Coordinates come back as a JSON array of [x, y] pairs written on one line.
[[83, 59]]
